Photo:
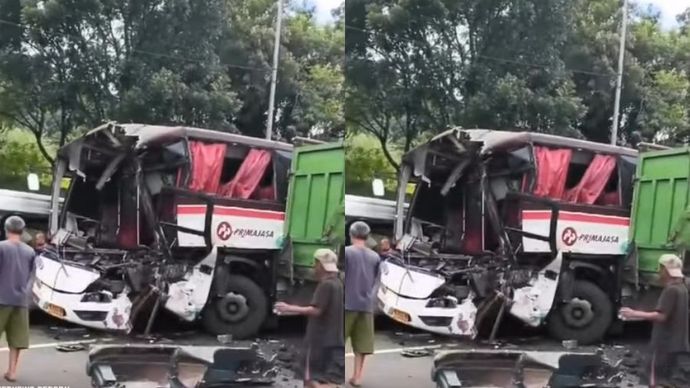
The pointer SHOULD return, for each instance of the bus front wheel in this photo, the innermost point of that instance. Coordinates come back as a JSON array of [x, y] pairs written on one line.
[[585, 318], [240, 310]]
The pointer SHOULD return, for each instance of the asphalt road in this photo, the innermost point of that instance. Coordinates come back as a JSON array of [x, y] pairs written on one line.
[[43, 365], [389, 368]]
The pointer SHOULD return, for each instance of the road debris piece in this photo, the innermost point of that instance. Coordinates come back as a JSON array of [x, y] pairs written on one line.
[[70, 348], [413, 353], [285, 354], [178, 366], [508, 368]]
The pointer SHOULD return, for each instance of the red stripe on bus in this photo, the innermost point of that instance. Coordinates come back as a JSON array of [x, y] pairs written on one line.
[[230, 211], [577, 217]]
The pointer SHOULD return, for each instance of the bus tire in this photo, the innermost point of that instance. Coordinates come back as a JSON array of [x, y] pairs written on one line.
[[586, 318], [241, 312]]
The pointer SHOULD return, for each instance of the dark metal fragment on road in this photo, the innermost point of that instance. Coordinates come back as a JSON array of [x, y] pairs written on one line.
[[414, 353], [70, 348]]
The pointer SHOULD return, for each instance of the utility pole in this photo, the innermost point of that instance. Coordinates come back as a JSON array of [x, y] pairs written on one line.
[[274, 72], [619, 78]]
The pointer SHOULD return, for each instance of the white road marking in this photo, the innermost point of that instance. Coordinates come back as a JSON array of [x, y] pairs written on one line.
[[54, 344], [399, 350]]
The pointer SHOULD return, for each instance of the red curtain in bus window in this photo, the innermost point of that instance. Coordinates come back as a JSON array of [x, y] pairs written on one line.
[[266, 193], [609, 199], [552, 171], [248, 176], [207, 165], [593, 181]]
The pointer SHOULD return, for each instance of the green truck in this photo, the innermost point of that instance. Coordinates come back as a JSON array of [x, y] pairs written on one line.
[[659, 222], [210, 226]]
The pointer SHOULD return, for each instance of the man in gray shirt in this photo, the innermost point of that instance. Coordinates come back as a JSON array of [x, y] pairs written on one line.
[[361, 277], [669, 318], [16, 270]]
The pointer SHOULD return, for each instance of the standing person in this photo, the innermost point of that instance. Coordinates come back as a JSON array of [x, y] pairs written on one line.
[[16, 270], [324, 355], [361, 278], [670, 319]]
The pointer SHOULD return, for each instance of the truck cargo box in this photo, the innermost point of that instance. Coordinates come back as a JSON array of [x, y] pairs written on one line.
[[661, 197], [315, 212]]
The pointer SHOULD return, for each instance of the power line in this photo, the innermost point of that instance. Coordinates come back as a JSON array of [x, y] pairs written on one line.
[[507, 60], [7, 22], [577, 71], [244, 67]]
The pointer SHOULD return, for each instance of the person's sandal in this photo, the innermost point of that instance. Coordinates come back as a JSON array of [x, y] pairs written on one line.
[[8, 378], [353, 384]]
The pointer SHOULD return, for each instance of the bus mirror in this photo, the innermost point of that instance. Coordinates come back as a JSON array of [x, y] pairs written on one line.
[[33, 182], [378, 188]]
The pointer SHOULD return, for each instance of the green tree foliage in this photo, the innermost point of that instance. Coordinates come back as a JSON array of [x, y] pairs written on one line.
[[69, 65], [19, 157], [364, 161], [417, 67], [306, 50], [429, 65]]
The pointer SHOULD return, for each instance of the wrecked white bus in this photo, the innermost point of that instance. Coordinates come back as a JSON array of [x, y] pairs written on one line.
[[528, 224], [207, 225]]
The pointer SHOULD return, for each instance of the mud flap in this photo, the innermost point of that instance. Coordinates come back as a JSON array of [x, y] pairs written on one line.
[[531, 304], [188, 297]]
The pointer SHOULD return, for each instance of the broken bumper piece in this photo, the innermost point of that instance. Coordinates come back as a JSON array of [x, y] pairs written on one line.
[[105, 314], [61, 290], [499, 368], [458, 320], [405, 296], [178, 366]]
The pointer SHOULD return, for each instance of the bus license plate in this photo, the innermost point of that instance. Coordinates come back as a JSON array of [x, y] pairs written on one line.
[[56, 311], [400, 316]]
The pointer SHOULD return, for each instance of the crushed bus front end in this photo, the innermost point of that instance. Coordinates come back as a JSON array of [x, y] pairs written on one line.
[[509, 223], [183, 219]]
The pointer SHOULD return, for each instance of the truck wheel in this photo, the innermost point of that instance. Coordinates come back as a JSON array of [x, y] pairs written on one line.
[[240, 312], [585, 318]]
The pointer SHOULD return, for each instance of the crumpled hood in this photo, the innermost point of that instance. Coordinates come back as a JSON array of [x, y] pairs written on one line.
[[409, 282], [64, 277]]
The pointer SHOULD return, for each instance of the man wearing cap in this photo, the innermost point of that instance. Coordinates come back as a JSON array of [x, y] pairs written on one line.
[[16, 271], [670, 318], [324, 354]]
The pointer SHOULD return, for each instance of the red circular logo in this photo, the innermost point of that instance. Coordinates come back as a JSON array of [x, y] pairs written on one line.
[[569, 236], [224, 231]]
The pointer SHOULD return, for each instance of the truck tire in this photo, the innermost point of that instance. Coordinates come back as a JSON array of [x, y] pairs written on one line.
[[586, 318], [241, 312]]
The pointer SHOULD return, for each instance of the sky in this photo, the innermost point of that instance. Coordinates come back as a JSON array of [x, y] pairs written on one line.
[[669, 9], [324, 8]]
